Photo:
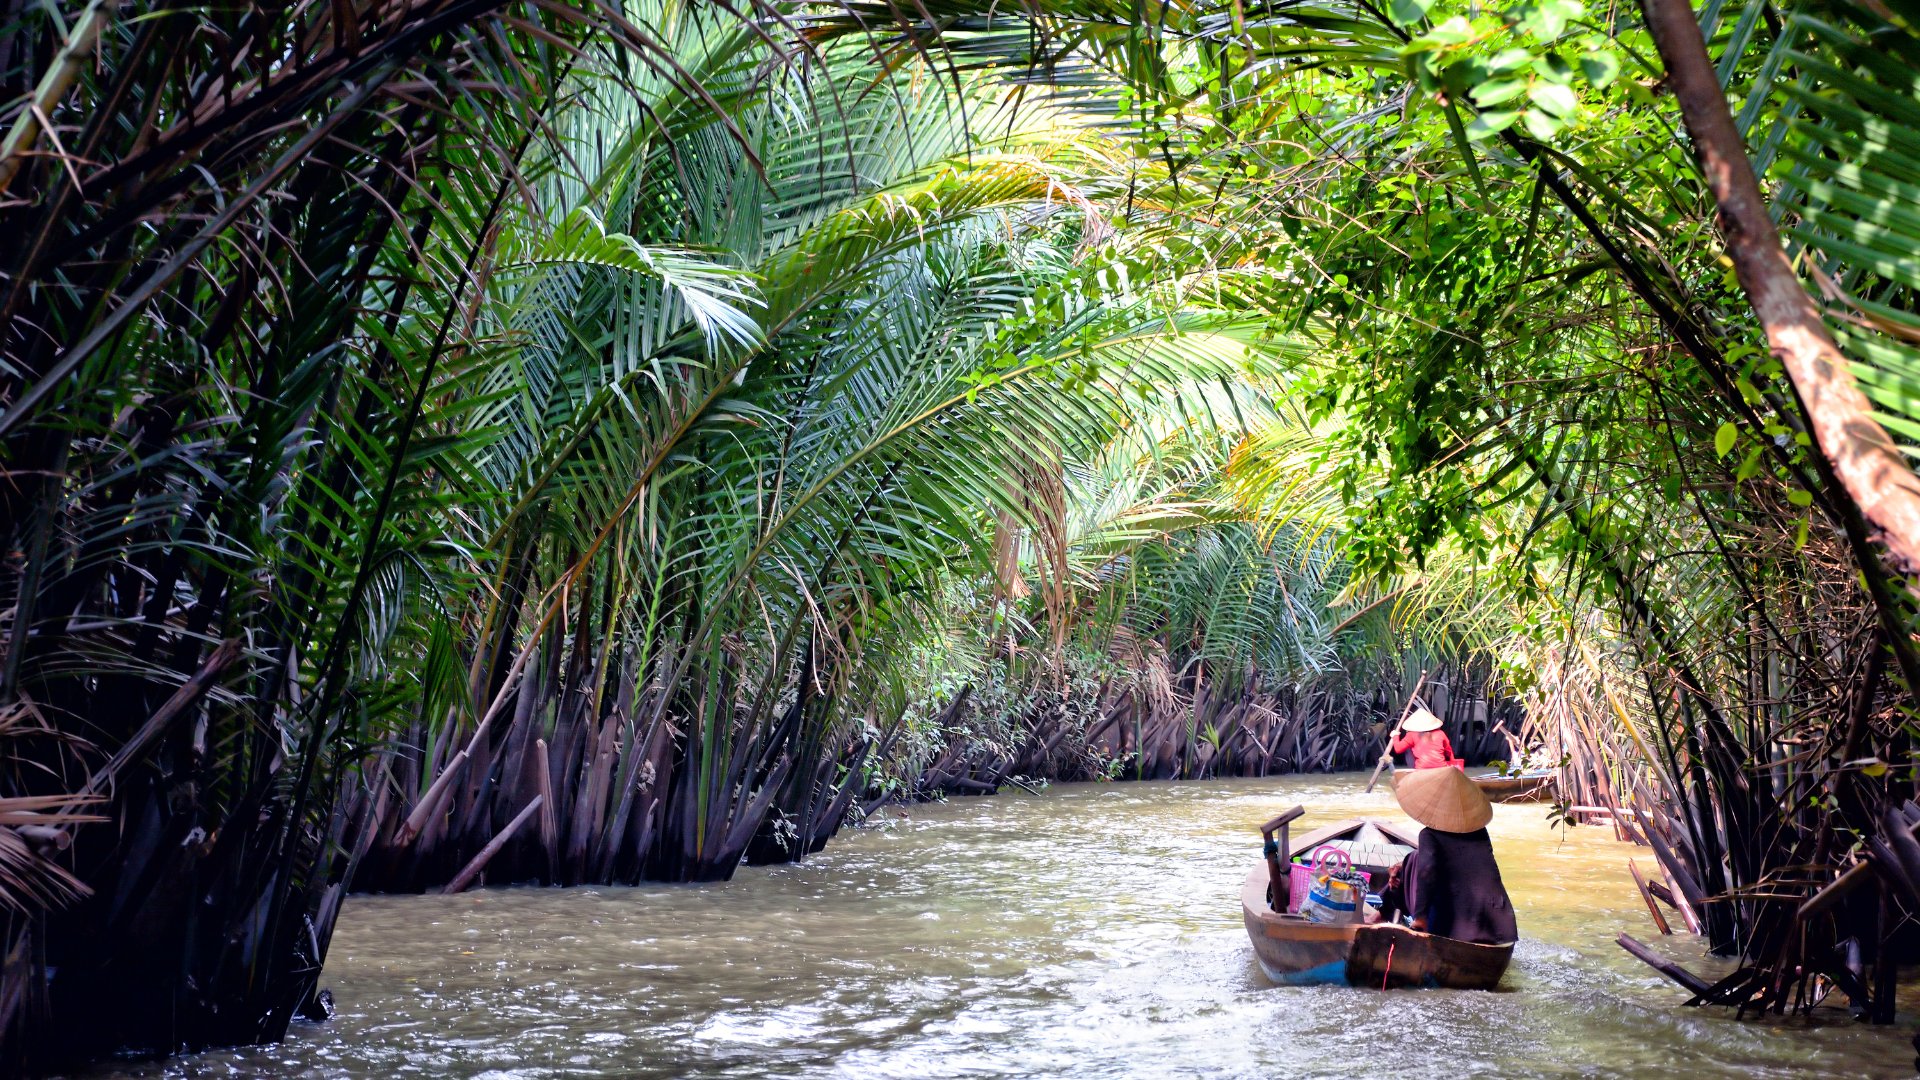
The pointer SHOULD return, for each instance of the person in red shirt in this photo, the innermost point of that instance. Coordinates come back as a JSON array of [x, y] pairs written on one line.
[[1422, 735]]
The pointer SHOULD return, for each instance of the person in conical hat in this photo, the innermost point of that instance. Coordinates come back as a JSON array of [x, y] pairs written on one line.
[[1457, 891], [1422, 735]]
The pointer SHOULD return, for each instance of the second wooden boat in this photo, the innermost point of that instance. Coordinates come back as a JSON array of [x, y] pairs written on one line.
[[1293, 950], [1523, 787]]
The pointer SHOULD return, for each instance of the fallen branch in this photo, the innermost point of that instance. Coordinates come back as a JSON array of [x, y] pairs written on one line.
[[472, 870], [1601, 811], [1646, 893], [1687, 896], [429, 803], [1688, 981], [130, 751], [1836, 890]]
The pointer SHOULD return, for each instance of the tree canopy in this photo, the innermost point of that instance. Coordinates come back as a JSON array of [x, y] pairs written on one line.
[[643, 434]]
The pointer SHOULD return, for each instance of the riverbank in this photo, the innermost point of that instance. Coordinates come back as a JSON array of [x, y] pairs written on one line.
[[1090, 931]]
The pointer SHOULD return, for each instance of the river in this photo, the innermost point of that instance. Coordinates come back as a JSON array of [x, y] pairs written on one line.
[[1093, 931]]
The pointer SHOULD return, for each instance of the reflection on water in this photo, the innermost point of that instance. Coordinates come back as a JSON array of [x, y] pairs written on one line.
[[1091, 932]]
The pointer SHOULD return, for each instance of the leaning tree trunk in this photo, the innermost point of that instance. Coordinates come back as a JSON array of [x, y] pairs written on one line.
[[1859, 453]]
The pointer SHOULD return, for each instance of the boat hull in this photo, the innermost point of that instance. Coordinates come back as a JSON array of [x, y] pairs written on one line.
[[1393, 957], [1291, 950], [1514, 788]]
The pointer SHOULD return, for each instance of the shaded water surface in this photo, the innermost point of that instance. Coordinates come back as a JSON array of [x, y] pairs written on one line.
[[1091, 932]]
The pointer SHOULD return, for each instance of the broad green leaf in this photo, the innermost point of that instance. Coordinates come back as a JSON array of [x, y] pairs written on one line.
[[1408, 12], [1542, 125], [1491, 123], [1600, 68], [1453, 31], [1550, 17], [1510, 60], [1494, 93], [1554, 98]]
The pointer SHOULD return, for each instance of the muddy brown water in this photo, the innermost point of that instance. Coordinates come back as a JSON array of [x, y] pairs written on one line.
[[1093, 931]]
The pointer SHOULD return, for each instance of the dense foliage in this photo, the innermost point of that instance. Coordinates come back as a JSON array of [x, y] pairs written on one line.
[[552, 436], [1542, 355], [595, 443]]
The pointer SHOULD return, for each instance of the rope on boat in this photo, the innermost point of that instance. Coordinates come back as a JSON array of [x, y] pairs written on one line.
[[1271, 848], [1385, 975]]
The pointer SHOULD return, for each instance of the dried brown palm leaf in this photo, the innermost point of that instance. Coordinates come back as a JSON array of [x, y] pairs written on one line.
[[30, 880]]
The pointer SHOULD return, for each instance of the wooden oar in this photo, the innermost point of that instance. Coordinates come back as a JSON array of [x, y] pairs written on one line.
[[1387, 758]]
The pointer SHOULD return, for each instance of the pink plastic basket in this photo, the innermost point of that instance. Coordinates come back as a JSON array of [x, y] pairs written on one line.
[[1300, 877]]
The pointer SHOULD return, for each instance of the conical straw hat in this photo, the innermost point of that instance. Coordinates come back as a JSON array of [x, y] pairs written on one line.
[[1442, 799], [1421, 720]]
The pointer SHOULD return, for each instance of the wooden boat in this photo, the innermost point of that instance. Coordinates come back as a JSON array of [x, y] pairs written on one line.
[[1524, 787], [1390, 957], [1293, 950]]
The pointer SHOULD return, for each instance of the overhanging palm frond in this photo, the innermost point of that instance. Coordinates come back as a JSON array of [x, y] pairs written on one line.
[[1852, 166]]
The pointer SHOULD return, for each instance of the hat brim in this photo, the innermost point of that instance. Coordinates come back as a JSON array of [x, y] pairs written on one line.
[[1442, 799], [1421, 720]]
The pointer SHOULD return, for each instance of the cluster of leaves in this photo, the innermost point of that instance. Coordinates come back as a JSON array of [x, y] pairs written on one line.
[[1523, 62]]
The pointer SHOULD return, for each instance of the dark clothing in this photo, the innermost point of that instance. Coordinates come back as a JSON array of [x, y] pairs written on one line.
[[1458, 889], [1396, 897]]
